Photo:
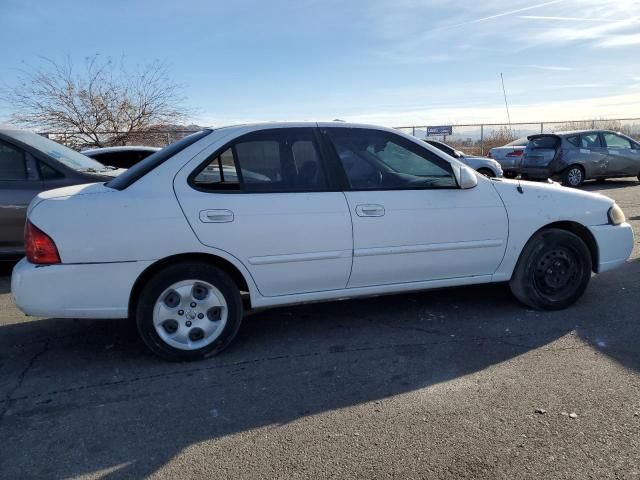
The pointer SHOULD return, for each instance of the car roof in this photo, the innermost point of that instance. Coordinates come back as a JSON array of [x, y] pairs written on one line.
[[566, 133], [126, 148]]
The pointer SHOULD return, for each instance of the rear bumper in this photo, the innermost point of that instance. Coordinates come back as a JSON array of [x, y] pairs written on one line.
[[615, 243], [98, 290]]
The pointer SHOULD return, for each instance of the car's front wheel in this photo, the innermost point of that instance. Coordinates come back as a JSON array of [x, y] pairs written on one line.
[[189, 311], [553, 270], [573, 176]]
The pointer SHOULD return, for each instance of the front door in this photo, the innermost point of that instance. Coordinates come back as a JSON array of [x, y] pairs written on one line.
[[592, 155], [623, 158], [19, 183], [411, 221], [265, 198]]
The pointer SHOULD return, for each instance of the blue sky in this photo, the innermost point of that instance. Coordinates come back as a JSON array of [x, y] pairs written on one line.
[[394, 63]]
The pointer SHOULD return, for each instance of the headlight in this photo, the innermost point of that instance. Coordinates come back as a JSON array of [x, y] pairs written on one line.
[[616, 215]]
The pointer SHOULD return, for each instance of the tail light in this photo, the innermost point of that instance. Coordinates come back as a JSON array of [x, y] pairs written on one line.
[[39, 246], [515, 153]]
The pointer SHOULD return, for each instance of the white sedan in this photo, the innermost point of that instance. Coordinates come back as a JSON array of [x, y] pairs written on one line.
[[300, 212]]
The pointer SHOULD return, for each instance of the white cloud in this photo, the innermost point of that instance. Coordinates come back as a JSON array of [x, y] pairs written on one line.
[[620, 41], [613, 106], [549, 67]]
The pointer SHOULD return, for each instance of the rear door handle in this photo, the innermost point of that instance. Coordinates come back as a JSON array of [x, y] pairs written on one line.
[[216, 216], [370, 210]]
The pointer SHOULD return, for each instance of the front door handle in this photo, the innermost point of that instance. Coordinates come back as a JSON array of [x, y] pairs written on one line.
[[370, 210], [216, 216]]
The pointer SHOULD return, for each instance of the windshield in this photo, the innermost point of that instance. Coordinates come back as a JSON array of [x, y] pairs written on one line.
[[520, 142], [62, 154]]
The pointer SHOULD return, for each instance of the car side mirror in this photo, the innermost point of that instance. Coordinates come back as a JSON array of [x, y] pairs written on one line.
[[467, 178]]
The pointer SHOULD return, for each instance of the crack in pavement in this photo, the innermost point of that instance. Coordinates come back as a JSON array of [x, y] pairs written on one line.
[[503, 339], [8, 400]]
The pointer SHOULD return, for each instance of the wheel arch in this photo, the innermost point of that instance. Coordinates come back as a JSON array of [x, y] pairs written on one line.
[[582, 232], [234, 272]]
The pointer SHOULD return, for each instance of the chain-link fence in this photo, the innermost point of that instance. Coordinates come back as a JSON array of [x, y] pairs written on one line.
[[478, 139], [473, 139]]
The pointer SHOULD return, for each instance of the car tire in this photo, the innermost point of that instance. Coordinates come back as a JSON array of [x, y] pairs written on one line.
[[486, 172], [573, 176], [553, 270], [189, 311]]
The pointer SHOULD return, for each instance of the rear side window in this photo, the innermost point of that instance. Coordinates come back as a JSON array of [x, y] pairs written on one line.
[[590, 140], [278, 160], [13, 165], [616, 142], [140, 169]]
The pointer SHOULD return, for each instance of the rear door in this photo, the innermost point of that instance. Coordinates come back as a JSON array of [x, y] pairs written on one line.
[[411, 221], [19, 183], [592, 155], [266, 199], [623, 159]]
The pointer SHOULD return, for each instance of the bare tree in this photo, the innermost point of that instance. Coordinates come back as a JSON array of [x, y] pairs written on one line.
[[100, 104]]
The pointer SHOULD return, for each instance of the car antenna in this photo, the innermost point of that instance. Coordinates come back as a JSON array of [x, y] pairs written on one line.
[[506, 105]]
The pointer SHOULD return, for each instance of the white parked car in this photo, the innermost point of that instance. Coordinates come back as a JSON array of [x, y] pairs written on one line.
[[300, 212]]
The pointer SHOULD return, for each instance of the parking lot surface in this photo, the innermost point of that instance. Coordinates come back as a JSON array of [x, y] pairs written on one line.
[[458, 383]]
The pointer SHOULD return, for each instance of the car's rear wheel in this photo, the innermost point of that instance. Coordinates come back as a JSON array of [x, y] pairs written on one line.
[[189, 311], [573, 176], [486, 172], [553, 270]]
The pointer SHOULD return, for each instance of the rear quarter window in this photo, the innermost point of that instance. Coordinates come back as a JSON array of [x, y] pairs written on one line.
[[574, 141]]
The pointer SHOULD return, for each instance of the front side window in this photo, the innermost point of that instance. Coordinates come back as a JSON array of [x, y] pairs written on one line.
[[13, 165], [276, 160], [374, 159], [590, 140], [616, 142]]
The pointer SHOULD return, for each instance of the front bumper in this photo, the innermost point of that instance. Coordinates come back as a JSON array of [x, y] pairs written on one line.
[[96, 290], [615, 243]]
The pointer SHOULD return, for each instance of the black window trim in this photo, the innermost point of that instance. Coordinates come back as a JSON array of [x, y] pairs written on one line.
[[402, 141], [331, 185]]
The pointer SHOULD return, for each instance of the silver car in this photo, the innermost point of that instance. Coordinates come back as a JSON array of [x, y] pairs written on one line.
[[30, 164], [509, 156], [484, 165], [576, 156]]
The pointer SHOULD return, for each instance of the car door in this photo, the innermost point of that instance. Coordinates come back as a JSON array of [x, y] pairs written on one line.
[[622, 158], [592, 155], [19, 183], [266, 199], [411, 221]]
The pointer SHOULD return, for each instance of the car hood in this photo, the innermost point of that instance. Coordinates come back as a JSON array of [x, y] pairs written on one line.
[[553, 201]]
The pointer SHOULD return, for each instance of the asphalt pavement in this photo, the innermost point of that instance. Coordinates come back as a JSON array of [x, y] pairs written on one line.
[[457, 383]]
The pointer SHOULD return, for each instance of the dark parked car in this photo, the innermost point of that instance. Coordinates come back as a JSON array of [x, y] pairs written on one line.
[[576, 156], [29, 164], [120, 157]]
